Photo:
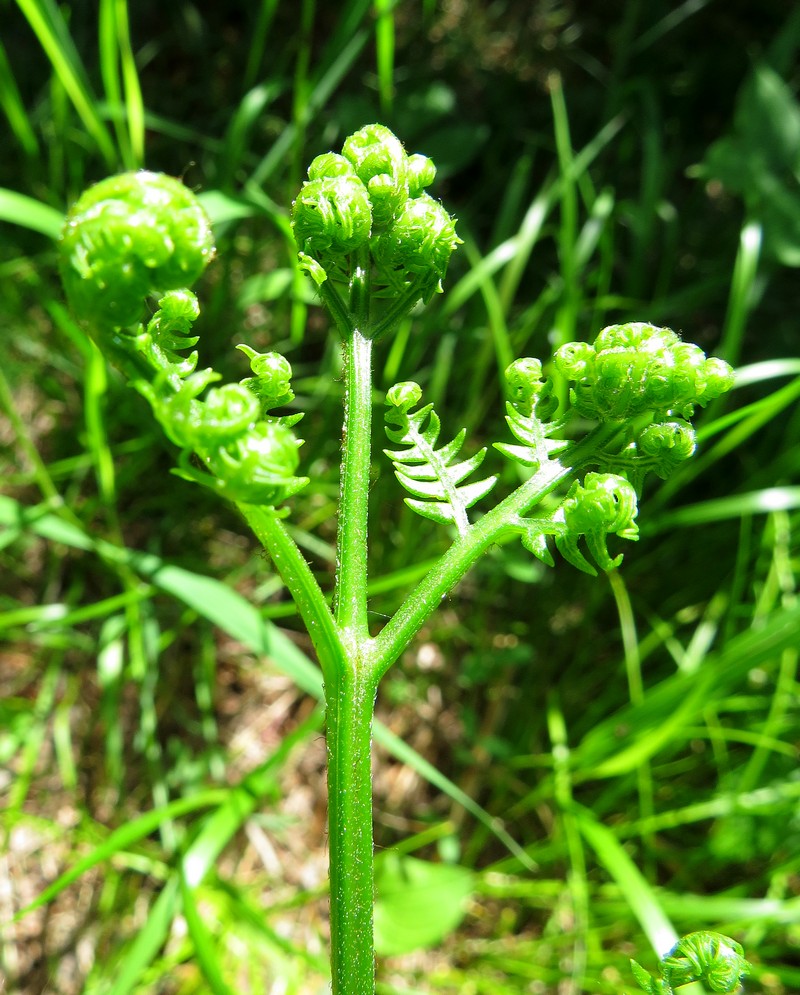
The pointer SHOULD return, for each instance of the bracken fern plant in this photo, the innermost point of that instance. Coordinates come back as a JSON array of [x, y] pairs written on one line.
[[584, 432]]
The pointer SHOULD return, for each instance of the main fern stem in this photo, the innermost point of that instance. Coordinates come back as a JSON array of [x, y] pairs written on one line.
[[350, 695], [350, 706], [351, 575]]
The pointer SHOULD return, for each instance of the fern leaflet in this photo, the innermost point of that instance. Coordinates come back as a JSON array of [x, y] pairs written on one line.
[[531, 404], [428, 473]]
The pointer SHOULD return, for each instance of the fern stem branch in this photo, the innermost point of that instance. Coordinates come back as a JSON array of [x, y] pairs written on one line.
[[452, 566], [428, 595], [306, 593], [399, 309]]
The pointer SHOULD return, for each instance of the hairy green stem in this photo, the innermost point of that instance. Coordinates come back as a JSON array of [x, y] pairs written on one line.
[[306, 592], [428, 595], [350, 705], [350, 597]]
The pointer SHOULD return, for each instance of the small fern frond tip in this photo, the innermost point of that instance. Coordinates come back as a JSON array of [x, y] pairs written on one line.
[[430, 475]]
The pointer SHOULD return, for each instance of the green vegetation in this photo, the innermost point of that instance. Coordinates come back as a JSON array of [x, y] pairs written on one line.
[[568, 768]]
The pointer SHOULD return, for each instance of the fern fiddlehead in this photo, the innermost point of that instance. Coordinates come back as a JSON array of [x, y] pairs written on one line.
[[640, 383], [127, 237], [711, 958], [363, 217], [144, 235]]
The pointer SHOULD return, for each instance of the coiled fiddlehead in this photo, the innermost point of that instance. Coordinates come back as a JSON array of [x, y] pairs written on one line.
[[604, 504], [271, 381], [713, 959], [635, 368], [641, 384], [144, 234], [127, 237], [365, 212]]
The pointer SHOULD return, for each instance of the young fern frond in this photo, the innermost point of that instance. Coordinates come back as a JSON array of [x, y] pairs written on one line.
[[530, 406], [603, 505], [142, 235], [713, 959], [428, 473]]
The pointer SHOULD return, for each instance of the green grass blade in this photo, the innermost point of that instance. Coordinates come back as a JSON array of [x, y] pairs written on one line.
[[681, 699], [384, 52], [775, 798], [221, 605], [107, 30], [50, 28], [121, 81], [575, 167], [19, 209], [497, 323], [14, 109], [350, 49], [220, 827], [237, 136], [255, 51], [568, 223], [205, 947], [124, 837], [677, 15], [638, 893], [149, 940], [722, 509], [742, 295], [407, 755], [134, 104]]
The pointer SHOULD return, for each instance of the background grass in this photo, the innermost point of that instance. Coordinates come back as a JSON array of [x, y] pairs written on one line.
[[565, 767]]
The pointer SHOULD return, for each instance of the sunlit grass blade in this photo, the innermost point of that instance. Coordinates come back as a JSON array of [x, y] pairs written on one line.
[[568, 222], [384, 49], [50, 28], [722, 509], [204, 942], [110, 671], [19, 209], [60, 615], [235, 145], [149, 940], [503, 350], [121, 81], [638, 893], [741, 299]]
